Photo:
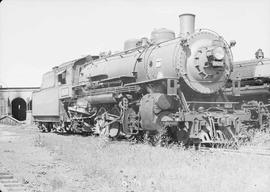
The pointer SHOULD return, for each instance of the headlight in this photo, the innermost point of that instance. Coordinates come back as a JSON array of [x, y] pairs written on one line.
[[219, 53]]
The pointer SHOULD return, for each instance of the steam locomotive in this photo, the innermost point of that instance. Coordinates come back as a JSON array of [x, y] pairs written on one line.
[[143, 90], [249, 86]]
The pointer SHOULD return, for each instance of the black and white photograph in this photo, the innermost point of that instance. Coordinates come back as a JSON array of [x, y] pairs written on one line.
[[134, 96]]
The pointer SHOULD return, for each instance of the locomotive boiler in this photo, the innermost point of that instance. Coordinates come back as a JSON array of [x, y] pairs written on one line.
[[201, 59], [142, 90]]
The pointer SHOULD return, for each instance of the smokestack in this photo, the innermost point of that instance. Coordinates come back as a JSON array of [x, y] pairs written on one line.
[[187, 24]]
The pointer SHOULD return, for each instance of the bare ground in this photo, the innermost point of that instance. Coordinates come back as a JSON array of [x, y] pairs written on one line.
[[50, 162]]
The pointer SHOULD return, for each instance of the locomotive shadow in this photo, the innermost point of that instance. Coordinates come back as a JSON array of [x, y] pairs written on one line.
[[120, 138]]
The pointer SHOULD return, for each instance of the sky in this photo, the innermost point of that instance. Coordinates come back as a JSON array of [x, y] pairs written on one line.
[[36, 35]]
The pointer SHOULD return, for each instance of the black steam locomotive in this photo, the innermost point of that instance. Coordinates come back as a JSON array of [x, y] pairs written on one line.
[[249, 86], [147, 89]]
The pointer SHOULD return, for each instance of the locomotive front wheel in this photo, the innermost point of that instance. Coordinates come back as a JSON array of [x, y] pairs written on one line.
[[115, 127], [114, 130], [45, 127]]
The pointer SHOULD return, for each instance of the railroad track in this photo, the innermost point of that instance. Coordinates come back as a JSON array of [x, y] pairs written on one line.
[[8, 183], [251, 150], [241, 151]]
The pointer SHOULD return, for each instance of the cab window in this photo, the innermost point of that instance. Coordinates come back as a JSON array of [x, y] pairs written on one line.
[[62, 78]]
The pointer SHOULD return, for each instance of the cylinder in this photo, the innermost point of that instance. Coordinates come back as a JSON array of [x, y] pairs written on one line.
[[187, 23]]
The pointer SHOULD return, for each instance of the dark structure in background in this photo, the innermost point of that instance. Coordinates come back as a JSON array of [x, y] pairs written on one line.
[[249, 85], [250, 79], [16, 102], [19, 109]]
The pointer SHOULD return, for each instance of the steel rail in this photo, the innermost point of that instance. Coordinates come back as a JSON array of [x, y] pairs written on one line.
[[261, 152]]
